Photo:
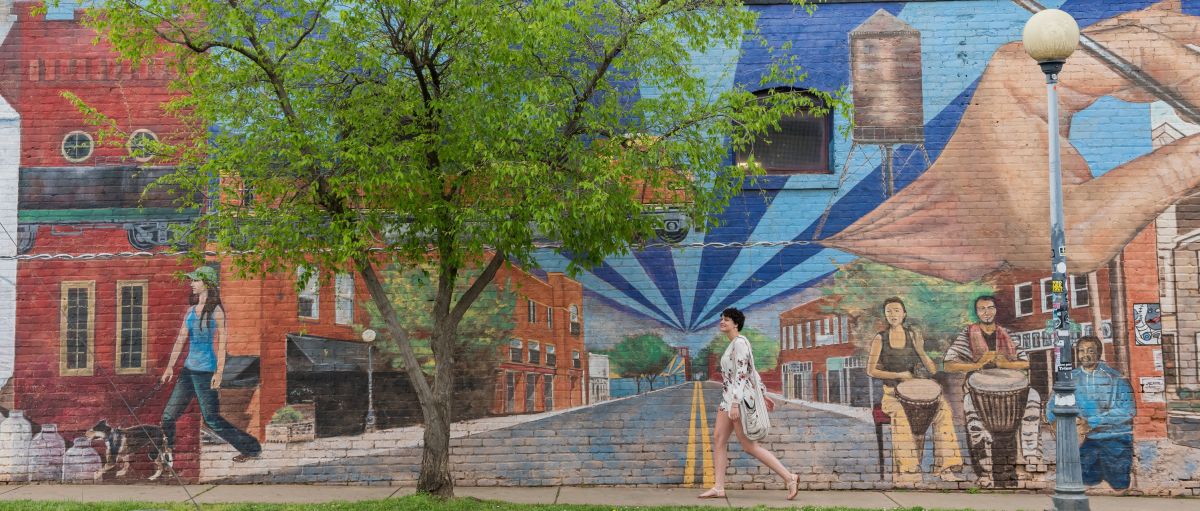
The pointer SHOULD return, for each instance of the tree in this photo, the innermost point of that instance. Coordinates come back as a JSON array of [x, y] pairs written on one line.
[[765, 349], [366, 133], [641, 356], [939, 308]]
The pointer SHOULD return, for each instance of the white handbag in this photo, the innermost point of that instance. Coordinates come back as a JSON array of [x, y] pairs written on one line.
[[755, 421]]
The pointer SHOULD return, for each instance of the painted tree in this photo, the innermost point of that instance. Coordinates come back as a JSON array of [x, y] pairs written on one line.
[[764, 348], [643, 356], [939, 308], [365, 133], [484, 327]]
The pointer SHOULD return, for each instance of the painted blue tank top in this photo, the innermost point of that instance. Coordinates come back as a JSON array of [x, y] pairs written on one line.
[[201, 356]]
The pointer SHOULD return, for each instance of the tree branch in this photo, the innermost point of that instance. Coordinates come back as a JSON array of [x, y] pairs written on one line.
[[468, 297], [388, 312]]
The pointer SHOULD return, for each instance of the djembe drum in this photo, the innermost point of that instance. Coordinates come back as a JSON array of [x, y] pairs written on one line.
[[999, 396], [919, 398]]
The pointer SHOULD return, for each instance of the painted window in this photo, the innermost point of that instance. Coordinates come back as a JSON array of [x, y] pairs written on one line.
[[573, 311], [344, 292], [514, 351], [532, 311], [547, 392], [1047, 295], [800, 146], [140, 145], [131, 326], [551, 356], [1080, 294], [77, 146], [549, 318], [576, 362], [77, 328], [510, 395], [535, 353], [531, 384], [1023, 298], [308, 303]]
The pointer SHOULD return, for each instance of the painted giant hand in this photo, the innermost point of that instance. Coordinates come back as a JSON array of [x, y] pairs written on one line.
[[985, 202]]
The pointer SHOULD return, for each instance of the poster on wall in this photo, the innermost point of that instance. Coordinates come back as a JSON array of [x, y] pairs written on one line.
[[1152, 389], [1146, 324]]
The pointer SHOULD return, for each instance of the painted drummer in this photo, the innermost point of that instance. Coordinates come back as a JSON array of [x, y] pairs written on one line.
[[986, 345], [897, 355]]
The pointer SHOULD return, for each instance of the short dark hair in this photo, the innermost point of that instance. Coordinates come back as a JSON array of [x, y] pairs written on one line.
[[1094, 340], [894, 299], [974, 312], [989, 298], [736, 316]]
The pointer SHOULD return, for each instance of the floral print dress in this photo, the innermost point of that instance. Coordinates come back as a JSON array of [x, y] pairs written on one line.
[[735, 372]]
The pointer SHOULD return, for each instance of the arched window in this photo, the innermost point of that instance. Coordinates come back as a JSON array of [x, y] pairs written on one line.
[[800, 146]]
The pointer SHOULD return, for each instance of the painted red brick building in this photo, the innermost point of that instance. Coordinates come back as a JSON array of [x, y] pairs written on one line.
[[817, 356], [309, 342], [544, 366], [1023, 305], [93, 331]]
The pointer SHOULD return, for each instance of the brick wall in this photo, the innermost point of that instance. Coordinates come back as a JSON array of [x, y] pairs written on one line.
[[954, 208]]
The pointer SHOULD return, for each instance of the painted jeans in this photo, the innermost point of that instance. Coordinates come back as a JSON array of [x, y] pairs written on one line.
[[1107, 459], [199, 385]]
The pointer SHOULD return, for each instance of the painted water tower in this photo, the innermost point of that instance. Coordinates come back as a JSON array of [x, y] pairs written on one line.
[[885, 75]]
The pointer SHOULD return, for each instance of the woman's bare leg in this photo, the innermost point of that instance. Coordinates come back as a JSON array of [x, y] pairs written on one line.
[[721, 433], [760, 452]]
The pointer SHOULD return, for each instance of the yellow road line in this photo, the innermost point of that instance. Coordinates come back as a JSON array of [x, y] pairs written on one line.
[[709, 477], [689, 468]]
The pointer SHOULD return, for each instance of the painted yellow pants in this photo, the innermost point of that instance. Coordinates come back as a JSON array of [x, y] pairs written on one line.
[[906, 454]]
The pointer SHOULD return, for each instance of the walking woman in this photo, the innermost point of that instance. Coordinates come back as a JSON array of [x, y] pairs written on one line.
[[736, 377], [898, 355], [204, 331]]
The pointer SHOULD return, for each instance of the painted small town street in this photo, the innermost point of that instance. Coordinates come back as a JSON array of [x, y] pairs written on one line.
[[658, 438]]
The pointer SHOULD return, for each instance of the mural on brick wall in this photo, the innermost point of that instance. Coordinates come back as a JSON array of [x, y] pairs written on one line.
[[895, 278]]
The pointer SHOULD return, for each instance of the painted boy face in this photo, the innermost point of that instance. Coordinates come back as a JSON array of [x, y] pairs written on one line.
[[986, 310]]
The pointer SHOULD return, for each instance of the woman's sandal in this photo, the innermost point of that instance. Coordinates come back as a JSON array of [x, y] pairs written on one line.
[[712, 493], [793, 486]]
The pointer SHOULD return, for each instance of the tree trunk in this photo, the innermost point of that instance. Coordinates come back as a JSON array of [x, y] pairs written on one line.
[[436, 400], [435, 477]]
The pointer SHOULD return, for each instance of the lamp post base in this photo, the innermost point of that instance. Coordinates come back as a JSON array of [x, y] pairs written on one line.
[[1064, 501]]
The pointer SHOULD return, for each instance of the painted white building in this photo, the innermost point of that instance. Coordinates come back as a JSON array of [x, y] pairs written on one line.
[[598, 378], [10, 162]]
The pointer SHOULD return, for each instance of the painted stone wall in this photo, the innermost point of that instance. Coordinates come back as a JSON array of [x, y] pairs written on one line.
[[937, 197]]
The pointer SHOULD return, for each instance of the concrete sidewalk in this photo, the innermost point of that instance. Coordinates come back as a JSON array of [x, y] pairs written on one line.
[[210, 494]]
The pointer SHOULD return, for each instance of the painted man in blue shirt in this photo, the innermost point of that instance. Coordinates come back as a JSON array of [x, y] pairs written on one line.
[[1105, 402]]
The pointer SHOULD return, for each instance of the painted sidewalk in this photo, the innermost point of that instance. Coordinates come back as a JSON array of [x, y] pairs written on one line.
[[210, 494]]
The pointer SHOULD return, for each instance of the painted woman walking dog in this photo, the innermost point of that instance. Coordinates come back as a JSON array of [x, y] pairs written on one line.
[[204, 331], [737, 371]]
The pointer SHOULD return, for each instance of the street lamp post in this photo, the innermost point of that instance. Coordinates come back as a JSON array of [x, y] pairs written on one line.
[[1050, 36], [368, 336]]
